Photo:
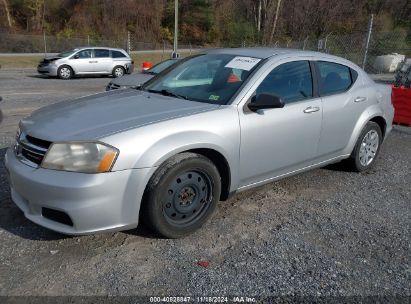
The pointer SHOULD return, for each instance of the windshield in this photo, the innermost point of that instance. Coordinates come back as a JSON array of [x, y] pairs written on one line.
[[211, 78], [67, 53], [158, 68]]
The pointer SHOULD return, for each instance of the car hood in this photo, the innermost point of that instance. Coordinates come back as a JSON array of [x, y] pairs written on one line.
[[96, 116], [49, 59], [132, 80]]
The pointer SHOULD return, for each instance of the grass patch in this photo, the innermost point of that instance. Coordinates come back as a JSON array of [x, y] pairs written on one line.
[[20, 62], [31, 61]]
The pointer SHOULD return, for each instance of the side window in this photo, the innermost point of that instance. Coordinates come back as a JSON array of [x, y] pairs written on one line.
[[84, 54], [117, 54], [101, 53], [334, 78], [291, 81]]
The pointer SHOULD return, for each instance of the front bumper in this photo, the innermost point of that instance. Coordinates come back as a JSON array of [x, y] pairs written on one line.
[[49, 69], [94, 202]]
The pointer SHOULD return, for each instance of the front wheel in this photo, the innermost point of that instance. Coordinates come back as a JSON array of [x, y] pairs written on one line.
[[181, 195], [367, 148], [65, 72]]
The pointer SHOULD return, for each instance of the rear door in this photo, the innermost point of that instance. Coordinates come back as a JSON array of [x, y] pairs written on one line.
[[343, 101], [102, 61]]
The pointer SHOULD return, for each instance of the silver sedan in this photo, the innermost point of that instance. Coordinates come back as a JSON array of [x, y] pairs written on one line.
[[219, 122]]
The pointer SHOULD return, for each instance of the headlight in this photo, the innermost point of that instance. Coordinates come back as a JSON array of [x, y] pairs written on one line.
[[86, 157]]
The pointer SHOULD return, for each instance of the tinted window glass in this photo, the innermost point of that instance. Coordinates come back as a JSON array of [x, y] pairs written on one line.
[[98, 53], [334, 78], [291, 81], [117, 54], [84, 54]]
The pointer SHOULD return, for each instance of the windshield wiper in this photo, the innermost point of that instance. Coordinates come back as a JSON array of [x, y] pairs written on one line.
[[168, 93]]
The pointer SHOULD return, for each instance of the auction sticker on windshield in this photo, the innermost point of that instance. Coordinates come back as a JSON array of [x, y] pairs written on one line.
[[242, 63]]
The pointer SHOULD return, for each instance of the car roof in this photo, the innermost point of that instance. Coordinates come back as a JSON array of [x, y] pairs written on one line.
[[98, 47], [265, 52]]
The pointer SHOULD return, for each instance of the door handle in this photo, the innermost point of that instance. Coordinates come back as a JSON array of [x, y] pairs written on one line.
[[311, 109], [93, 61], [360, 99]]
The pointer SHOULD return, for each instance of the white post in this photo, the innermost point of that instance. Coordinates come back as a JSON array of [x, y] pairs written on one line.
[[367, 45], [45, 44]]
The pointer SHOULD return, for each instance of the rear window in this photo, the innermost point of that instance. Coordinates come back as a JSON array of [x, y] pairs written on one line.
[[101, 53], [335, 78], [117, 54]]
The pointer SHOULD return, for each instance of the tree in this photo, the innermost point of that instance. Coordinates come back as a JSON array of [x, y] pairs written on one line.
[[10, 20]]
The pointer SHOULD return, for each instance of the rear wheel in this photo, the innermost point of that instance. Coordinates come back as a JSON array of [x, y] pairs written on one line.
[[65, 72], [118, 71], [367, 148], [181, 195]]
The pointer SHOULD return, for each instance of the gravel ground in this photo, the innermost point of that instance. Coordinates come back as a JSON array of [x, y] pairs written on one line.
[[327, 232]]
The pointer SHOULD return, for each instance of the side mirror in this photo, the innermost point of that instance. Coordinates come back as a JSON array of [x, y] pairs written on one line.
[[265, 101], [77, 56]]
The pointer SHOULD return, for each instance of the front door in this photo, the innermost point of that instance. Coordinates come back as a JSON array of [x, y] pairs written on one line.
[[82, 62], [278, 141]]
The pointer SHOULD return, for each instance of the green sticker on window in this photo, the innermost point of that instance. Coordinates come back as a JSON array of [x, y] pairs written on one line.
[[214, 97]]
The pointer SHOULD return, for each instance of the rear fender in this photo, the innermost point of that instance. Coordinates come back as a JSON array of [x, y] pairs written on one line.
[[366, 116]]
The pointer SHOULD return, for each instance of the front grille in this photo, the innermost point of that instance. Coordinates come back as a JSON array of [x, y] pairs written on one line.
[[31, 150]]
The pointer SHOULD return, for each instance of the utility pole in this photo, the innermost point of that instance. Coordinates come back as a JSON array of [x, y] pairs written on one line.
[[367, 45], [128, 42], [175, 47]]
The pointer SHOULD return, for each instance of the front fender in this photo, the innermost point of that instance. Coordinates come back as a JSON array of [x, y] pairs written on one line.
[[151, 145], [171, 145]]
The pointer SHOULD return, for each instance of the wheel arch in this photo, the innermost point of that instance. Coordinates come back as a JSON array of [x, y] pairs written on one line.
[[215, 156], [380, 121], [222, 165], [118, 66], [373, 114], [66, 65]]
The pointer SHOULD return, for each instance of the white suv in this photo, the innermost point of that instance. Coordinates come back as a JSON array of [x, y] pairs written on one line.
[[87, 61]]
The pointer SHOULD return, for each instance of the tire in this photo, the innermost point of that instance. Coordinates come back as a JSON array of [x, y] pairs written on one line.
[[118, 71], [65, 72], [181, 196], [367, 148]]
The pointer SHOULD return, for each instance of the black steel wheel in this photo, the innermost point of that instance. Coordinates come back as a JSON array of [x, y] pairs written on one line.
[[188, 198], [181, 195]]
